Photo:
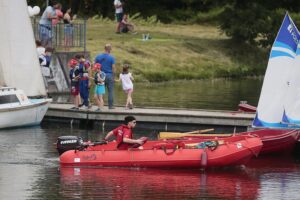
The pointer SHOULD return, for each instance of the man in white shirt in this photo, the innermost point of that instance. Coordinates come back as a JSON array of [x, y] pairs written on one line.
[[119, 13]]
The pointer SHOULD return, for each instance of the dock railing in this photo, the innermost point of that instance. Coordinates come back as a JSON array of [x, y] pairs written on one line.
[[65, 35]]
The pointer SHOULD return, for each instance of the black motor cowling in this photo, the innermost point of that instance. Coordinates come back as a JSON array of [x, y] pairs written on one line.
[[66, 143]]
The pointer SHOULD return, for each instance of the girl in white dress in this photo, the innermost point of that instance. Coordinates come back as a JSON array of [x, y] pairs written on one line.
[[126, 79]]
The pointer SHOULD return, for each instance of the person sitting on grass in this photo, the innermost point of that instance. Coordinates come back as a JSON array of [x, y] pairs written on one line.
[[124, 135], [125, 26]]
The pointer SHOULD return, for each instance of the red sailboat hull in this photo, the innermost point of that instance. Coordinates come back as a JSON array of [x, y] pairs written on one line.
[[244, 107], [277, 141], [236, 150]]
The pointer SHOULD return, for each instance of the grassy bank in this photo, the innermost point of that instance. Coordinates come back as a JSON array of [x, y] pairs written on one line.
[[176, 51]]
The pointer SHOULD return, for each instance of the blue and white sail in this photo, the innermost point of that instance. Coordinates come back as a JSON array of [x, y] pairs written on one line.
[[277, 77], [291, 115]]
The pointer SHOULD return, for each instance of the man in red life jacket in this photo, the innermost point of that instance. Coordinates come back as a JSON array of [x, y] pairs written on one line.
[[124, 136]]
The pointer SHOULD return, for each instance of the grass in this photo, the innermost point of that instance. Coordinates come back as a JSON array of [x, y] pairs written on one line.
[[176, 51]]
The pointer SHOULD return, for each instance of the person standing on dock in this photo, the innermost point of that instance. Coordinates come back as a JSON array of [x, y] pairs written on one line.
[[74, 77], [124, 135], [99, 80], [107, 62], [126, 79], [84, 84]]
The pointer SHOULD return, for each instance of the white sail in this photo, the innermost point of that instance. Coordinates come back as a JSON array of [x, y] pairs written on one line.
[[276, 81], [291, 113], [18, 58]]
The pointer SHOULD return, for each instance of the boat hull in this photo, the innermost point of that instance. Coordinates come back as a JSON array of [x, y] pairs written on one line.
[[24, 115], [275, 141], [232, 152], [244, 107]]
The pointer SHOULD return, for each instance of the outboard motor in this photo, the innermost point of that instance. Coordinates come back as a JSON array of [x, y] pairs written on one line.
[[66, 143]]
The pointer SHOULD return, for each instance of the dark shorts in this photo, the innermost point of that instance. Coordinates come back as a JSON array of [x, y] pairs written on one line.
[[124, 29], [75, 90], [119, 17]]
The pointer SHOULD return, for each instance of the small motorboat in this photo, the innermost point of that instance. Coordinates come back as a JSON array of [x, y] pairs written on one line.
[[231, 151], [275, 141], [16, 109]]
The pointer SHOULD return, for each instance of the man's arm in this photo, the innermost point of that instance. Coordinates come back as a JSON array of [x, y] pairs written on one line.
[[50, 16], [114, 68], [132, 141], [111, 133]]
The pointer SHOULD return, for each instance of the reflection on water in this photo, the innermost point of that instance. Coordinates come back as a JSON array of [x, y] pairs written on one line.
[[156, 184], [29, 169], [200, 94]]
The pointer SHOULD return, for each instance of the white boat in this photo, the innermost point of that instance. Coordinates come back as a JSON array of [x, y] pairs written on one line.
[[20, 72], [18, 110]]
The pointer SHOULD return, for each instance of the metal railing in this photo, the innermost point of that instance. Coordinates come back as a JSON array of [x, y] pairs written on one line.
[[64, 35]]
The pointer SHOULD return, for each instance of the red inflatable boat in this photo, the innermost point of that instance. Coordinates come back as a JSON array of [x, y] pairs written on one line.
[[231, 151]]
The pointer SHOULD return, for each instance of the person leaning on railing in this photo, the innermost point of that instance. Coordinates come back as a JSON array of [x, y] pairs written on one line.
[[68, 27], [45, 24]]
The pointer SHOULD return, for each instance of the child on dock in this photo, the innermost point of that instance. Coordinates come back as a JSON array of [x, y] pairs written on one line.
[[126, 79], [74, 77], [84, 83], [100, 86]]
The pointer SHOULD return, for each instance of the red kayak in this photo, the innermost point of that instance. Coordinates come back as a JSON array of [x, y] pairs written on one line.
[[231, 151]]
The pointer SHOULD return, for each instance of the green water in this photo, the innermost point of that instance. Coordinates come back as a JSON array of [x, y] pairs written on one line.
[[200, 94]]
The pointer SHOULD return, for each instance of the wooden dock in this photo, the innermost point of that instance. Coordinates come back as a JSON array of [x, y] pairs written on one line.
[[153, 115]]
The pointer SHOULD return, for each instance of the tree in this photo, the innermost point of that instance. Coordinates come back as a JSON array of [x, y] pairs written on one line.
[[255, 22]]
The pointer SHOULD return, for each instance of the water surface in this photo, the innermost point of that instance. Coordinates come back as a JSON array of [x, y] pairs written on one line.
[[218, 94], [29, 169]]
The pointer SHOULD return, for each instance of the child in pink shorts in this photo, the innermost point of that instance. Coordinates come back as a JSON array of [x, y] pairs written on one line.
[[74, 77]]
